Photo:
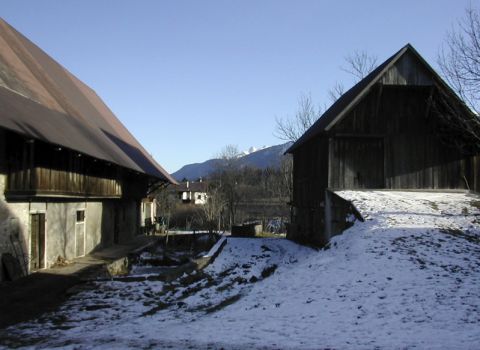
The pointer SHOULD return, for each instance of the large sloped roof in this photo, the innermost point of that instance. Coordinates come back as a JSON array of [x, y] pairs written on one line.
[[350, 98], [41, 99]]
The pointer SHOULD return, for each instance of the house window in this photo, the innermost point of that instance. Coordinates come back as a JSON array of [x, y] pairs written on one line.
[[199, 196], [80, 216]]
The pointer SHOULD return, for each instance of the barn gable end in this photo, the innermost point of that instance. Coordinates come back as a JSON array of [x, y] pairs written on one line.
[[407, 70], [386, 132]]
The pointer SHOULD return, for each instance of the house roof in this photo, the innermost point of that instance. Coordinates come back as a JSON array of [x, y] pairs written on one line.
[[192, 187], [42, 100], [350, 98]]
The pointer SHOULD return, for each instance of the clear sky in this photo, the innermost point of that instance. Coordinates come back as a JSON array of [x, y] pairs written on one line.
[[189, 77]]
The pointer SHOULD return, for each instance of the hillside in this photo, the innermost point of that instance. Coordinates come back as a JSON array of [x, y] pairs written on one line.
[[261, 159], [407, 277]]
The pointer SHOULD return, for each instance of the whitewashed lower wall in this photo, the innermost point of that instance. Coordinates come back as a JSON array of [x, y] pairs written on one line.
[[60, 226]]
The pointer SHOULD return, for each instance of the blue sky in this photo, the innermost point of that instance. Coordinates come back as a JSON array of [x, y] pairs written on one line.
[[189, 77]]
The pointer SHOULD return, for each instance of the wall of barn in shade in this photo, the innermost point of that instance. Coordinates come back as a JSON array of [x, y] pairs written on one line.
[[310, 179], [111, 206], [389, 140]]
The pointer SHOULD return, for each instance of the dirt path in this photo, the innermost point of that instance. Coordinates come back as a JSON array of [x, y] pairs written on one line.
[[31, 296]]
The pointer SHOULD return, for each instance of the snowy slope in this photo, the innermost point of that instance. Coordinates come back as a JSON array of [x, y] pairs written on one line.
[[261, 159], [408, 277]]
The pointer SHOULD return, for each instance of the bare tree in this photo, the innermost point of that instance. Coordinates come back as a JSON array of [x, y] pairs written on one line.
[[226, 176], [228, 157], [459, 61], [457, 126], [337, 91], [213, 208], [286, 169], [290, 129], [166, 205], [459, 58], [360, 64]]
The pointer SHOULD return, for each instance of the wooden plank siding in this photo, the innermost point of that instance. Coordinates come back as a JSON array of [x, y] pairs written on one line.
[[407, 72], [388, 141], [389, 131], [40, 169], [413, 157], [356, 163], [310, 178], [397, 119], [310, 173]]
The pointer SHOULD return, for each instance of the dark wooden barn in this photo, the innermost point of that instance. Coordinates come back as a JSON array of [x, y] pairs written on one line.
[[401, 127]]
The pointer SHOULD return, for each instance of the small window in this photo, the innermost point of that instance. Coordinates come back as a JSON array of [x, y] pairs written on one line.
[[199, 196], [80, 215]]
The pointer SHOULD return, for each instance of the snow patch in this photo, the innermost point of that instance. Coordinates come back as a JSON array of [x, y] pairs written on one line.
[[407, 277]]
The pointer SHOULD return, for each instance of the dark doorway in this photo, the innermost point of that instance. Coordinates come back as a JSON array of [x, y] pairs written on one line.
[[37, 241]]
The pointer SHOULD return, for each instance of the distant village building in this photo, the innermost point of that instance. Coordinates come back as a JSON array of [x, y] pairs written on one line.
[[190, 192], [72, 177], [401, 127]]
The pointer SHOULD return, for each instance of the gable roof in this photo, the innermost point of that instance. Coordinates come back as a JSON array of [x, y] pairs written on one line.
[[42, 100], [350, 98]]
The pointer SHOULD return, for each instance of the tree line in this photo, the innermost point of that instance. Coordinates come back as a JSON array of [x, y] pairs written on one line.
[[235, 194]]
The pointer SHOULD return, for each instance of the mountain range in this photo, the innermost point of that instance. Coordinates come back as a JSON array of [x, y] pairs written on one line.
[[267, 157]]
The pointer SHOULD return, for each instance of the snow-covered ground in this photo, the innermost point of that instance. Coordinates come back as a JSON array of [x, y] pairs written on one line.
[[407, 277]]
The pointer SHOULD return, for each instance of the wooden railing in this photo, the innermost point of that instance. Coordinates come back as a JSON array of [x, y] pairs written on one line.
[[45, 181]]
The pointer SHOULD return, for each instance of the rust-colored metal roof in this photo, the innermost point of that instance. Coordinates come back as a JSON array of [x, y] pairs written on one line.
[[41, 99]]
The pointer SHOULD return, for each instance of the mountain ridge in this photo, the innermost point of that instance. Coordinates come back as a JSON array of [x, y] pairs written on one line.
[[261, 159]]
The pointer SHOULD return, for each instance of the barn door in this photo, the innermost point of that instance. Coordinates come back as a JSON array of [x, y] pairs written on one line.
[[357, 162], [37, 241], [80, 233]]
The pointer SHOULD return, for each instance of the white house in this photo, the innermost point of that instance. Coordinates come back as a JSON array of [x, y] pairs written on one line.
[[190, 192]]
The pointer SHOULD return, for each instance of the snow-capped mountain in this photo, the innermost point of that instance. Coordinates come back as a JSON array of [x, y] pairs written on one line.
[[258, 158], [252, 149]]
